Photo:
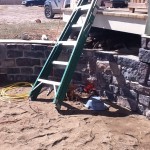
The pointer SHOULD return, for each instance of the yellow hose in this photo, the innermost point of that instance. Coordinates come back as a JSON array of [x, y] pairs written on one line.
[[4, 90]]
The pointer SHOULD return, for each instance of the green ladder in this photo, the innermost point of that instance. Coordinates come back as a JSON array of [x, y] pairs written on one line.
[[87, 9]]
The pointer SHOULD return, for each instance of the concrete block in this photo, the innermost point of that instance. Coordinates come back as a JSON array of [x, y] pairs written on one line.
[[129, 67], [143, 72], [3, 70], [32, 54], [22, 78], [3, 52], [11, 78], [130, 61], [24, 47], [27, 62], [13, 70], [12, 46], [26, 70], [3, 78], [144, 55], [37, 47], [144, 100], [8, 63], [14, 53], [129, 73]]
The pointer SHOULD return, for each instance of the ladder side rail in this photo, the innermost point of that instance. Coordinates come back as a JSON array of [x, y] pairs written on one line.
[[82, 2]]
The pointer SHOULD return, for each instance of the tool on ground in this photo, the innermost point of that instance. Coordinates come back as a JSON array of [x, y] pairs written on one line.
[[84, 8]]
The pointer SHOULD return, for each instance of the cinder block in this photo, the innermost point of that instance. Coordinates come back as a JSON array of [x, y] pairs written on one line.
[[143, 72], [27, 62], [31, 54], [9, 63], [13, 70], [38, 47], [14, 53], [144, 55], [144, 100], [3, 78], [12, 47], [26, 70]]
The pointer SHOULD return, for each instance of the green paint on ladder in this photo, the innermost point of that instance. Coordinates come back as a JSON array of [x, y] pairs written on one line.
[[60, 88]]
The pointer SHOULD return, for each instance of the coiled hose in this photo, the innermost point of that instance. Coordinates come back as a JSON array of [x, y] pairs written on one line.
[[5, 94]]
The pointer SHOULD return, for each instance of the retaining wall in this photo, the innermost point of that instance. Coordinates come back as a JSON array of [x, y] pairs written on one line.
[[123, 78]]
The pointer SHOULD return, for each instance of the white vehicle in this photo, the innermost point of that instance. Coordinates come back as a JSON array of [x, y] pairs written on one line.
[[52, 7]]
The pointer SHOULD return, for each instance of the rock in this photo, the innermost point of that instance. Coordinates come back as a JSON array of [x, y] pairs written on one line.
[[38, 21], [147, 114], [25, 36], [44, 37]]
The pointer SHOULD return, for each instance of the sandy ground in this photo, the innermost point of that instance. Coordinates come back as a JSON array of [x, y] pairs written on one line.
[[11, 14], [37, 125]]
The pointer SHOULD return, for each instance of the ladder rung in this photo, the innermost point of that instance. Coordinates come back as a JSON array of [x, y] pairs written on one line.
[[76, 27], [84, 7], [49, 82], [60, 63], [69, 43]]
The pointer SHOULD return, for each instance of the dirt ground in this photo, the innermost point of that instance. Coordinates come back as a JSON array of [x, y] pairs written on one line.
[[15, 21], [37, 125]]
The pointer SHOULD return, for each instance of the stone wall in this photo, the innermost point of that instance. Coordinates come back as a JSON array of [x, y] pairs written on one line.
[[123, 78], [22, 62]]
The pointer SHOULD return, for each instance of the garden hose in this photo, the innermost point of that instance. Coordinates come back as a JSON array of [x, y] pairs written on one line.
[[4, 91]]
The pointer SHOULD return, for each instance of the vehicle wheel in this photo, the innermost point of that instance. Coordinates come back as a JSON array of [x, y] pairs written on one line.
[[48, 12]]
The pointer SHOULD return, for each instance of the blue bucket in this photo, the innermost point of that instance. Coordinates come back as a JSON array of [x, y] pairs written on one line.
[[94, 103]]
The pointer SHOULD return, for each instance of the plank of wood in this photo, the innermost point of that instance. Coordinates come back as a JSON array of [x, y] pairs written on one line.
[[137, 5]]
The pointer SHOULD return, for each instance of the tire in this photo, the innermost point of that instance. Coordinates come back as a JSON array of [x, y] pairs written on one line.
[[48, 12]]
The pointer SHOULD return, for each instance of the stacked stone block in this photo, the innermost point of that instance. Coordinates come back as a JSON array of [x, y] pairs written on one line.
[[22, 62], [125, 79]]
